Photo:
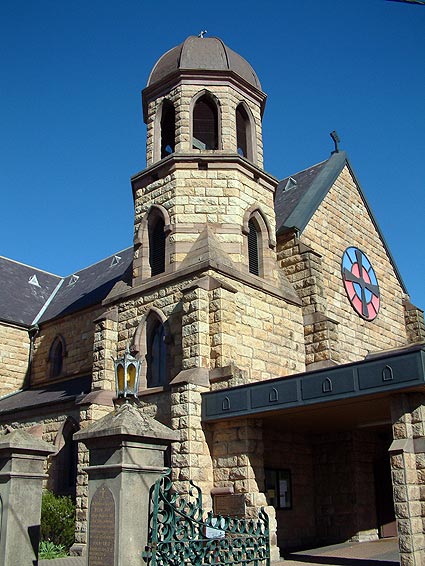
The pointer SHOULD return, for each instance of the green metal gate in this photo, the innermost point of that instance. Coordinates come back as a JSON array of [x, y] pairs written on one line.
[[181, 533]]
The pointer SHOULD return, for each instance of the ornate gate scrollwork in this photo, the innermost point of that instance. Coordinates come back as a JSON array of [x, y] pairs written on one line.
[[181, 533]]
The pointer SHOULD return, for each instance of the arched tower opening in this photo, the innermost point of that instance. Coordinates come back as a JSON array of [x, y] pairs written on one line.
[[168, 128], [205, 134]]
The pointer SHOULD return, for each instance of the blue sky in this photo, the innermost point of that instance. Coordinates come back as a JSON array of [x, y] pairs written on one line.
[[72, 132]]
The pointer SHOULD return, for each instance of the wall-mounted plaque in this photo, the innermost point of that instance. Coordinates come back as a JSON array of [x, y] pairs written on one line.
[[232, 505], [101, 549]]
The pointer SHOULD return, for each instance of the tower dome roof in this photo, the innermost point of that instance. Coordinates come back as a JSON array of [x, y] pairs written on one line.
[[202, 53]]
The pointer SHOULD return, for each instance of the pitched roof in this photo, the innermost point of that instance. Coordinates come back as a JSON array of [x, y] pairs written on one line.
[[24, 291], [90, 285], [51, 394], [298, 197], [29, 295]]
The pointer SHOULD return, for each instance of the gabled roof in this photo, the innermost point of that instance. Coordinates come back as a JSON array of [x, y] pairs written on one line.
[[29, 295], [297, 201], [90, 285], [299, 196], [24, 290]]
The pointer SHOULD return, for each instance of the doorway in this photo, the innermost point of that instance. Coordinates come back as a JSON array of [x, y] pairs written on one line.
[[384, 499]]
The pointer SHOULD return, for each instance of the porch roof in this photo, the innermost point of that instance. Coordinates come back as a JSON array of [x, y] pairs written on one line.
[[360, 383]]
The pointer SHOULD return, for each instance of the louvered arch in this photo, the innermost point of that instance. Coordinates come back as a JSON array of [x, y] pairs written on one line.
[[157, 238], [253, 248]]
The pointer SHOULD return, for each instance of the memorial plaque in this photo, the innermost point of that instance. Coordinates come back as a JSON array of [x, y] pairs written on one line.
[[101, 551], [232, 505]]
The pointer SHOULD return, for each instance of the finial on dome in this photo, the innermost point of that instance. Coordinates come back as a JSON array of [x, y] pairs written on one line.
[[202, 33]]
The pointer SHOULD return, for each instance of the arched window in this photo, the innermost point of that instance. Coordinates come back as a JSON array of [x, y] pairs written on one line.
[[242, 124], [258, 242], [205, 124], [244, 132], [156, 234], [65, 461], [253, 247], [168, 129], [56, 357], [156, 352]]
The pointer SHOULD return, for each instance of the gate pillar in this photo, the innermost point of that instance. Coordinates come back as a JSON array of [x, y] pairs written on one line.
[[126, 457], [407, 454], [22, 458]]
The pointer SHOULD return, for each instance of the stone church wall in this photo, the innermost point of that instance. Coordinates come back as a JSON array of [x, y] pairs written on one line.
[[14, 356], [294, 452], [341, 221], [77, 331]]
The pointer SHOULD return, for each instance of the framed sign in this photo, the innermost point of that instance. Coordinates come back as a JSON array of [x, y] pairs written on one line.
[[278, 488]]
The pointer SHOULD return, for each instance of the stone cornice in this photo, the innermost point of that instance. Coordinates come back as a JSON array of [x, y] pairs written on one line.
[[215, 160], [160, 281], [203, 78]]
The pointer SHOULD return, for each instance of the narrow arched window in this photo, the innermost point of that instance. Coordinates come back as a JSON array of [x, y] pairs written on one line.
[[156, 353], [56, 356], [242, 131], [168, 129], [253, 248], [205, 124], [157, 237], [65, 461]]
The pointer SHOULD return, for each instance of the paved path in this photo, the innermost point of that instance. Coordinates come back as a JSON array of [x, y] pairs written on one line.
[[382, 552]]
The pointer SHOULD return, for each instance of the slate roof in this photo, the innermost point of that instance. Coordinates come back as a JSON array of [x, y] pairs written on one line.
[[90, 285], [60, 392], [296, 205], [20, 300], [49, 296], [296, 202]]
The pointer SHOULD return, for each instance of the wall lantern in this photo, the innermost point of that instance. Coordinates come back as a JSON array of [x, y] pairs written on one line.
[[127, 374]]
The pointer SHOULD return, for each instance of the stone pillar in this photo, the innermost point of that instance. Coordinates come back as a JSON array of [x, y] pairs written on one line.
[[126, 457], [303, 267], [415, 325], [190, 458], [104, 349], [195, 328], [22, 459], [407, 455], [222, 325]]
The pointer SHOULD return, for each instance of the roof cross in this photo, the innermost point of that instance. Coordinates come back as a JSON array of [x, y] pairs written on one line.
[[336, 139]]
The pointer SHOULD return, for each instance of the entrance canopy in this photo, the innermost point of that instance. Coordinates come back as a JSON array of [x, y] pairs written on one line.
[[344, 396]]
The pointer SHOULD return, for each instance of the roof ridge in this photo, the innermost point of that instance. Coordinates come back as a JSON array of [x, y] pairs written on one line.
[[30, 266], [97, 262]]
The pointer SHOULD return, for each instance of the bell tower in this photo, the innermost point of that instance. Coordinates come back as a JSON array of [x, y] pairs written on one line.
[[203, 107], [204, 231]]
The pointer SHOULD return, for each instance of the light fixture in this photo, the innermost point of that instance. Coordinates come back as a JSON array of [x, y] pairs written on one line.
[[127, 374]]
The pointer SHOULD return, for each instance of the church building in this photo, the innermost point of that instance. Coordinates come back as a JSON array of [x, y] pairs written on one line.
[[273, 328]]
